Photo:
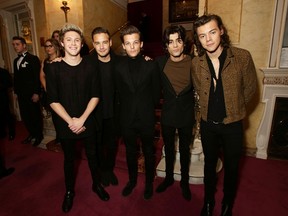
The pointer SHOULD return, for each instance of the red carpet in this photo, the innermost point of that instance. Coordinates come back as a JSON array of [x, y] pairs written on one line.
[[36, 188]]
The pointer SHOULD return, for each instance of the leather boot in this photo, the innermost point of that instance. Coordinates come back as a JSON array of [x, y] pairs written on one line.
[[68, 201], [226, 210], [208, 208]]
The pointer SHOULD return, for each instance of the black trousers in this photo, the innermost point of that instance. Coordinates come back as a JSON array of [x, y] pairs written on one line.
[[31, 115], [146, 135], [185, 140], [229, 138], [69, 149], [107, 143]]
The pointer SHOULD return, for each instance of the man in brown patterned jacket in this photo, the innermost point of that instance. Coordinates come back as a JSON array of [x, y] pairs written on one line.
[[225, 79]]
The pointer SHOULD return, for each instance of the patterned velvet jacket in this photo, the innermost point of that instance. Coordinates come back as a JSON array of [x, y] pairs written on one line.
[[239, 83]]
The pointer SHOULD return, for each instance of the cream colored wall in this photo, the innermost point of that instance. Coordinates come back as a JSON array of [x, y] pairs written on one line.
[[86, 14], [249, 24], [105, 14]]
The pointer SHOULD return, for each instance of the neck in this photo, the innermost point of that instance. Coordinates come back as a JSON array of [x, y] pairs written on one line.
[[216, 53], [106, 58], [72, 60], [177, 58]]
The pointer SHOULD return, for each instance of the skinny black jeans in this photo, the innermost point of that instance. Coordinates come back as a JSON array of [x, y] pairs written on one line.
[[185, 140], [69, 149], [229, 138]]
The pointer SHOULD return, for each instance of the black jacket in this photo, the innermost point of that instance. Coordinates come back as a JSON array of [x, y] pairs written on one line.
[[177, 110], [137, 102]]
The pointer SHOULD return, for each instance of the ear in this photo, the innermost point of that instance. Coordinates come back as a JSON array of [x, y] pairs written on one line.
[[141, 45], [123, 46]]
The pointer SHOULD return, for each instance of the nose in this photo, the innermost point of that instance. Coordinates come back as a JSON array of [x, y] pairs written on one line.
[[208, 37]]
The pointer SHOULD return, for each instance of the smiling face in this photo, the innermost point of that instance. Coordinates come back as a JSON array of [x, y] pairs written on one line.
[[132, 44], [209, 36], [102, 44], [72, 43]]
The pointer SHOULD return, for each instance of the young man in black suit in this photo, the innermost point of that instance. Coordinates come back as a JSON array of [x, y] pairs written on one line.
[[138, 85], [27, 88], [104, 60], [178, 107]]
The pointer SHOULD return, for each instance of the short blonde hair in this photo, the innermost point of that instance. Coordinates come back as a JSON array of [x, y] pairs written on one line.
[[71, 27]]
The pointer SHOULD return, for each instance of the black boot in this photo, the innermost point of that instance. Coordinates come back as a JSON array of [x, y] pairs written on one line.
[[208, 208], [164, 185], [226, 209], [68, 201], [100, 191]]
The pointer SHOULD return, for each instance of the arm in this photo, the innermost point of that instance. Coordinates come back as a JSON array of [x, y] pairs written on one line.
[[249, 78], [42, 76]]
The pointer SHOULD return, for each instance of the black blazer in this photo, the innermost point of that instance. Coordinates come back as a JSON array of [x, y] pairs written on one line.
[[177, 110], [137, 102], [26, 79]]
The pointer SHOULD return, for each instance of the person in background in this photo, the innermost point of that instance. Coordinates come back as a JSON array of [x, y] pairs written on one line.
[[6, 116], [53, 51], [107, 136], [55, 35], [73, 91], [178, 105], [225, 79], [138, 85], [27, 87]]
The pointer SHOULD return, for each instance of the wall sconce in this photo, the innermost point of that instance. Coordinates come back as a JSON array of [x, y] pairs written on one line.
[[66, 9]]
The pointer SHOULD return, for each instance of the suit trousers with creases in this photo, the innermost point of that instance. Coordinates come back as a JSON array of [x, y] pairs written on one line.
[[229, 138], [107, 145], [69, 149], [146, 135], [185, 141], [31, 115]]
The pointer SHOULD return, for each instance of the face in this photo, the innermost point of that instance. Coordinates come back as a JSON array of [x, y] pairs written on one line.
[[18, 46], [56, 36], [132, 44], [72, 43], [102, 44], [49, 48], [175, 47], [209, 36]]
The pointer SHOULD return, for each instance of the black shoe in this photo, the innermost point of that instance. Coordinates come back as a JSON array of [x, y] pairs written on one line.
[[148, 192], [11, 136], [113, 179], [37, 141], [68, 201], [7, 172], [226, 210], [27, 140], [128, 188], [207, 209], [100, 191], [164, 185], [186, 191]]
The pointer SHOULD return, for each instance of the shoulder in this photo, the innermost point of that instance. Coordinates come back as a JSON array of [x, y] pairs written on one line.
[[238, 52]]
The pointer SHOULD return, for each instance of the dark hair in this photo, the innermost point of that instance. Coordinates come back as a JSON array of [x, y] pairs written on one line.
[[225, 41], [71, 27], [130, 29], [181, 31], [21, 39], [99, 30], [54, 32]]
